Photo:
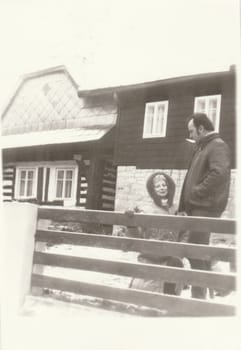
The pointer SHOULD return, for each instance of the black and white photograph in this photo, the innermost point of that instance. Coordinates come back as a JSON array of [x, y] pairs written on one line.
[[119, 174]]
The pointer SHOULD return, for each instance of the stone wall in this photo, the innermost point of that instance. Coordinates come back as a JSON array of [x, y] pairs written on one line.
[[131, 188]]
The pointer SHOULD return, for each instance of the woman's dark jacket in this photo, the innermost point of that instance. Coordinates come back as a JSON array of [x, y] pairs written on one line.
[[206, 185]]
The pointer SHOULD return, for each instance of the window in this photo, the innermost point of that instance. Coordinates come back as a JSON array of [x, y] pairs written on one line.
[[27, 182], [155, 119], [211, 106], [64, 183]]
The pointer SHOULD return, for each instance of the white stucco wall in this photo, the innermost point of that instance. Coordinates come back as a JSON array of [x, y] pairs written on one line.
[[131, 188]]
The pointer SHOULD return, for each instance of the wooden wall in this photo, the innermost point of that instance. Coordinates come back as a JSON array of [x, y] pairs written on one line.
[[171, 151]]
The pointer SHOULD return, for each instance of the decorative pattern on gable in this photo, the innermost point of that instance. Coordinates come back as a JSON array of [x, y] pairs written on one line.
[[50, 102]]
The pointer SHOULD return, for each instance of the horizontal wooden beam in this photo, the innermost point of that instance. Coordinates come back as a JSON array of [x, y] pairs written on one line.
[[170, 305], [159, 248], [147, 271], [171, 222]]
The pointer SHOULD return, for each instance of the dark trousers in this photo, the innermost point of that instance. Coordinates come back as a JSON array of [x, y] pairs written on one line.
[[199, 237]]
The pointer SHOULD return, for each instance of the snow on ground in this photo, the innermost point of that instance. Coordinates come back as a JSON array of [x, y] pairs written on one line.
[[50, 307], [89, 276], [108, 279]]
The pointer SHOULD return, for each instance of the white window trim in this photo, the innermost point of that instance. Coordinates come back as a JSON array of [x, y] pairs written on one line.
[[207, 98], [52, 185], [156, 104], [73, 183], [52, 181], [17, 182]]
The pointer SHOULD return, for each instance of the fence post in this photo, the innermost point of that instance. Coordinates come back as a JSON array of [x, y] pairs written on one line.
[[40, 247], [19, 227]]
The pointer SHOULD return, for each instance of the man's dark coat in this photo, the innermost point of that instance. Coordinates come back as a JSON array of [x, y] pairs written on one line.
[[206, 185]]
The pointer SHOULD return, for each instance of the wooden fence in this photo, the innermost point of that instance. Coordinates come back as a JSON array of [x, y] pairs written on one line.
[[168, 304]]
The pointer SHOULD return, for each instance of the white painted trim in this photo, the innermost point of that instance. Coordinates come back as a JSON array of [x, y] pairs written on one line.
[[17, 181], [45, 163], [52, 183], [73, 182], [156, 105]]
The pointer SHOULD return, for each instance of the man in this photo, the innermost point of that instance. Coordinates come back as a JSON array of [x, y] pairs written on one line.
[[206, 185]]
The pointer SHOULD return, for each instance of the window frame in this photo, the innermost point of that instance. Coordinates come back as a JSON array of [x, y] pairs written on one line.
[[18, 182], [65, 169], [163, 131], [218, 110]]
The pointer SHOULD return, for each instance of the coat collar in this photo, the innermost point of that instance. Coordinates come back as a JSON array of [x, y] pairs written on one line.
[[204, 141]]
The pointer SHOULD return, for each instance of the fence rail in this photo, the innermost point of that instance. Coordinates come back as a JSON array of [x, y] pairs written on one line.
[[167, 304], [170, 305], [138, 245], [171, 222]]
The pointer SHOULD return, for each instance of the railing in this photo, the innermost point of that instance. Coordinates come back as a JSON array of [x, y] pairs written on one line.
[[168, 305]]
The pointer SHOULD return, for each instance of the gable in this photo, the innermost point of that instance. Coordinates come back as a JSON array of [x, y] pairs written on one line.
[[50, 102]]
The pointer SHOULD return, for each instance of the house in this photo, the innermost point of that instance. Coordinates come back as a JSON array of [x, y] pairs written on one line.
[[57, 147], [151, 131], [97, 149]]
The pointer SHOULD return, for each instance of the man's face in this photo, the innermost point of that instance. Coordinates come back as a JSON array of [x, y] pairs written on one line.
[[194, 133]]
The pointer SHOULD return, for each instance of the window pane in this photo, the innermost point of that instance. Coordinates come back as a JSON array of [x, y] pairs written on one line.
[[30, 174], [149, 119], [22, 186], [160, 119], [212, 115], [60, 174], [59, 189], [68, 187], [23, 174], [201, 105], [213, 103], [29, 188], [69, 174]]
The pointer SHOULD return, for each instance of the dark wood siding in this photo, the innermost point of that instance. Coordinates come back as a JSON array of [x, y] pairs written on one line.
[[108, 185], [171, 151], [8, 182]]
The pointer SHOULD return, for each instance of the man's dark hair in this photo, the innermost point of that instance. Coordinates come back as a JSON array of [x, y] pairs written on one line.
[[201, 119]]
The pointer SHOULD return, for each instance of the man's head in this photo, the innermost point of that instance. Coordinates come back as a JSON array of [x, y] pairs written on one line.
[[199, 125]]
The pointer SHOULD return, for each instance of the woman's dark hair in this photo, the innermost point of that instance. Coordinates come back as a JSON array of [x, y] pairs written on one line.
[[157, 198], [201, 119]]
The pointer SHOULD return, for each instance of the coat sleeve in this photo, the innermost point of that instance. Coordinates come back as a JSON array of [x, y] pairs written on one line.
[[218, 168]]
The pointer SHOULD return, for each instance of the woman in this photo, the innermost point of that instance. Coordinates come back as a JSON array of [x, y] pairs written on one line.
[[161, 189]]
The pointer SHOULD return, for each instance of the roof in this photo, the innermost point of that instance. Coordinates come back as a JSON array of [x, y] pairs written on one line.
[[53, 137], [143, 85], [46, 110]]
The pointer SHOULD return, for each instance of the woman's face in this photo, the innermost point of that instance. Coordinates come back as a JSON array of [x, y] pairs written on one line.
[[160, 185]]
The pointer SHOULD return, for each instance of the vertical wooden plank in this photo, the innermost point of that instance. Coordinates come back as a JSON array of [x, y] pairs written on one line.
[[40, 247], [108, 185], [82, 183], [14, 180], [78, 183], [8, 182], [94, 183], [40, 185], [46, 185]]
